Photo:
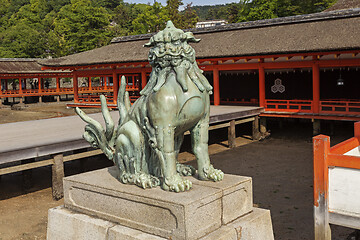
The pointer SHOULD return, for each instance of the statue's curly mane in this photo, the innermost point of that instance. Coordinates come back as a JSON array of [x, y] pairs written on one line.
[[171, 51]]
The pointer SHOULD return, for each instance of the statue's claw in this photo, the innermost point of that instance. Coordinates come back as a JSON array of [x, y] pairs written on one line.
[[210, 173], [185, 170], [140, 179], [176, 184]]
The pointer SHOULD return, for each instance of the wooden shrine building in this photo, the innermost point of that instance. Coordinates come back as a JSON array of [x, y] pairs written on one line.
[[23, 78], [304, 66]]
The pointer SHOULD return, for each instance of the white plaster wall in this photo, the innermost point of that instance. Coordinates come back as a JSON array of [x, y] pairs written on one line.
[[354, 152], [344, 190]]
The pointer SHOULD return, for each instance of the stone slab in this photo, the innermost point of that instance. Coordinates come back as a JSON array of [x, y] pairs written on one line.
[[237, 197], [187, 216], [66, 224], [254, 226]]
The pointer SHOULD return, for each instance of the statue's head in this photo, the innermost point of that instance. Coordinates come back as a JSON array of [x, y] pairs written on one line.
[[170, 46], [170, 52]]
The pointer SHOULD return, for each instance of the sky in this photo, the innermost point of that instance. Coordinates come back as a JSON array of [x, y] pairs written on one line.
[[194, 3]]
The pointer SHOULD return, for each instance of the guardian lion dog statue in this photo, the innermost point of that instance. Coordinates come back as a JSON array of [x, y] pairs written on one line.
[[146, 143]]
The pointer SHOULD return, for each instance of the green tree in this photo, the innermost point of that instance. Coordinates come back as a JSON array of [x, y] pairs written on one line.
[[172, 7], [152, 19], [262, 9], [190, 17], [21, 40], [81, 26], [123, 16]]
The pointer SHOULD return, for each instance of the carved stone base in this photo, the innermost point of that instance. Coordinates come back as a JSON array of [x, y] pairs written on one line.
[[96, 203]]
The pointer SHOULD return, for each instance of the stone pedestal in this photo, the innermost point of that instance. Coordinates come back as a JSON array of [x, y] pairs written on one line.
[[97, 206]]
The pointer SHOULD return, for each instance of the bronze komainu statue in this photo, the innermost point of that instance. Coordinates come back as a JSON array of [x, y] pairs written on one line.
[[146, 143]]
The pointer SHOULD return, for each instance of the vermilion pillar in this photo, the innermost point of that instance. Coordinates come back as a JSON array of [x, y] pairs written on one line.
[[316, 88], [20, 86], [143, 79], [57, 84], [115, 86], [261, 86], [76, 87], [216, 86], [90, 85], [39, 84]]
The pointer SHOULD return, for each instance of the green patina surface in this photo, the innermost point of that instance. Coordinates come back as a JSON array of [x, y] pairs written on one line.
[[146, 142]]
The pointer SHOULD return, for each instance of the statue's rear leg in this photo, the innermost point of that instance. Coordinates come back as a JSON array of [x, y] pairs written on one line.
[[130, 157]]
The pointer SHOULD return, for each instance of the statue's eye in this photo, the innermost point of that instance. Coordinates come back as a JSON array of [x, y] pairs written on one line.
[[177, 42]]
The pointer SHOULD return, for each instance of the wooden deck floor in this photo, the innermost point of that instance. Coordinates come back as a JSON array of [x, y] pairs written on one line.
[[30, 139]]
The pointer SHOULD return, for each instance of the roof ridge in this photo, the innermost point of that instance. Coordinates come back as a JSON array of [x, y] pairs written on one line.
[[346, 13], [19, 59]]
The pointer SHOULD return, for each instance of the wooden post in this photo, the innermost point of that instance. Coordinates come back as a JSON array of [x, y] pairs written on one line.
[[57, 84], [57, 177], [39, 84], [316, 127], [321, 148], [263, 125], [20, 90], [261, 86], [255, 129], [90, 84], [105, 82], [232, 134], [27, 181], [357, 130], [316, 88], [20, 86], [58, 88], [76, 87], [216, 86], [143, 79], [115, 86]]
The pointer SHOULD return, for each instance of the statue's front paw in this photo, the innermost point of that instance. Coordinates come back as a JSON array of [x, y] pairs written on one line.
[[210, 173], [176, 184], [185, 170], [146, 181]]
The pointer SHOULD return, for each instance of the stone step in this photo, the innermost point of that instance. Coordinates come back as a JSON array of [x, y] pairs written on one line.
[[65, 224]]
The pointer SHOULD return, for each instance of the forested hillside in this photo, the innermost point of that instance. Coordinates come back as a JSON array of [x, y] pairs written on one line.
[[43, 28], [250, 10]]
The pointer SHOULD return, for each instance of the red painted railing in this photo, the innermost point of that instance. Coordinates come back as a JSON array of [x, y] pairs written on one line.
[[351, 107], [288, 105], [326, 158]]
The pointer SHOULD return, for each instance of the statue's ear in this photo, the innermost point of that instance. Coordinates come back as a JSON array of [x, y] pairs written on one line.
[[190, 37], [150, 43]]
